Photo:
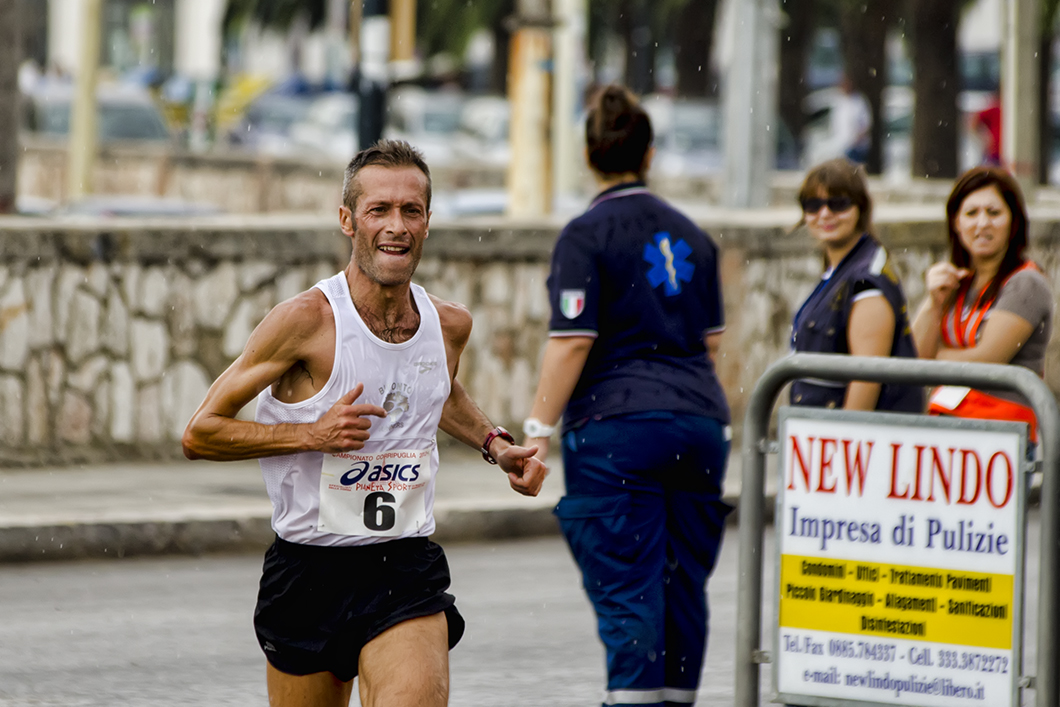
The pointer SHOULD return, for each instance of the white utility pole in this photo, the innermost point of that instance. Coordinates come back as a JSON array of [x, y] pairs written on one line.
[[1019, 92], [529, 94], [568, 82], [197, 48], [83, 139], [750, 103]]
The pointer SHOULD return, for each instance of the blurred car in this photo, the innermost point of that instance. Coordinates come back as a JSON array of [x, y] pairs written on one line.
[[265, 127], [427, 120], [687, 136], [898, 105], [329, 127], [483, 134], [125, 114]]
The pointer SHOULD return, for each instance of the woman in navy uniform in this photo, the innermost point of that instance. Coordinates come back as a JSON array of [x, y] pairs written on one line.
[[858, 307], [636, 317]]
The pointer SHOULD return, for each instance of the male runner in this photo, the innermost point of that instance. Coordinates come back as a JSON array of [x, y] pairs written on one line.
[[354, 377]]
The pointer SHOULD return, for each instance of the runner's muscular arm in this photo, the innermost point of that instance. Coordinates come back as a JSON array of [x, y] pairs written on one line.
[[1004, 334], [465, 421], [282, 340]]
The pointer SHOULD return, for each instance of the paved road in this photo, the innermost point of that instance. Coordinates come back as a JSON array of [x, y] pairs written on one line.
[[177, 631]]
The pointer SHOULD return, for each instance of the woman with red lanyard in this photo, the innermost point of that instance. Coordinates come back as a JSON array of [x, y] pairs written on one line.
[[989, 303]]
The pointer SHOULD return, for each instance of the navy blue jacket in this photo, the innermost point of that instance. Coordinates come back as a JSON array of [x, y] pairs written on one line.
[[820, 326], [642, 279]]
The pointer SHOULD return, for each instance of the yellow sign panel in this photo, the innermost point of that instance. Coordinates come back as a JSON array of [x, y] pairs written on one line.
[[895, 601]]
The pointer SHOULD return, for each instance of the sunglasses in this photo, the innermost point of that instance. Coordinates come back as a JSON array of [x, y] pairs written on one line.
[[836, 204]]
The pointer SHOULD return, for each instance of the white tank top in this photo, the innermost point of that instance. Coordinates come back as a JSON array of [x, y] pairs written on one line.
[[386, 490]]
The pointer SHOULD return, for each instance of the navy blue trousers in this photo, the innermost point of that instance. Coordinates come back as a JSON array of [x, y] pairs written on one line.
[[644, 518]]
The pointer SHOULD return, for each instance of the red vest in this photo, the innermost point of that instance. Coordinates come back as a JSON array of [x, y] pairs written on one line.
[[959, 331]]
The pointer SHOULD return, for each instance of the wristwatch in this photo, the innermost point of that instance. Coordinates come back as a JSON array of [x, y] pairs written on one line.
[[494, 433], [533, 427]]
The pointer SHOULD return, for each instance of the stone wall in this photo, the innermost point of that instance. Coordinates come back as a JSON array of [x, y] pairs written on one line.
[[245, 183], [111, 332], [233, 182]]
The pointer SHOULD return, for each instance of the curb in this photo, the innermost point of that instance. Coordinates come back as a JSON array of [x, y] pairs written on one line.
[[81, 541], [198, 536]]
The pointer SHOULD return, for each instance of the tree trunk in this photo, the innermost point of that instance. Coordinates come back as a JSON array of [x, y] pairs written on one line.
[[936, 84], [864, 41], [1045, 121], [502, 38], [10, 57], [795, 41], [694, 34], [640, 48]]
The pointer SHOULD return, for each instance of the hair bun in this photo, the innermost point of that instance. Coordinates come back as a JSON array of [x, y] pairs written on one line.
[[618, 131]]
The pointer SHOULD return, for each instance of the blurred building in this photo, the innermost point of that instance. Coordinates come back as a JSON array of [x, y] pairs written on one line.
[[185, 38], [163, 36]]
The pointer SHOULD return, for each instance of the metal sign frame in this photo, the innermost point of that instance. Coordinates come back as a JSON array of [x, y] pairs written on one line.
[[842, 368], [1019, 547]]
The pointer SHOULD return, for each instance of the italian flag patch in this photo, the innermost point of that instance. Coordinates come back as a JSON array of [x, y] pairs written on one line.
[[572, 303]]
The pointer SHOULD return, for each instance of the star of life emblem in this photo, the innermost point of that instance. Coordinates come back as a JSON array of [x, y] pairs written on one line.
[[669, 263]]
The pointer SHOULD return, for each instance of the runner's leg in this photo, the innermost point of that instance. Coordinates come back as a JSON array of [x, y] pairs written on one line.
[[314, 690], [407, 665]]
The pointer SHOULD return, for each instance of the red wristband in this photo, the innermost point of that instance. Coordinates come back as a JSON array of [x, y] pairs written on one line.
[[494, 433]]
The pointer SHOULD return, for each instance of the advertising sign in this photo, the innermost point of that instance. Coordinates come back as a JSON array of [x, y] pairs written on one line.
[[900, 559]]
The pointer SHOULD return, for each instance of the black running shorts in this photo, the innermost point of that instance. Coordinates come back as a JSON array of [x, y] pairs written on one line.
[[318, 606]]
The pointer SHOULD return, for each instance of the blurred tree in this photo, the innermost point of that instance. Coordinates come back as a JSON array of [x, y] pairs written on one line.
[[274, 14], [445, 26], [634, 23], [796, 39], [936, 83], [645, 26], [1046, 129], [692, 27], [863, 30], [502, 39], [10, 58]]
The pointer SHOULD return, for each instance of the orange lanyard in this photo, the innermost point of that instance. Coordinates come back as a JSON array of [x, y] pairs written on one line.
[[964, 334], [965, 327]]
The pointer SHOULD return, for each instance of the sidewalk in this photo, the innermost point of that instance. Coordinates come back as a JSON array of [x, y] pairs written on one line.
[[190, 507]]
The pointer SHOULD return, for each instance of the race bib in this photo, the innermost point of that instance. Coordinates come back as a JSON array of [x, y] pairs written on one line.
[[375, 493]]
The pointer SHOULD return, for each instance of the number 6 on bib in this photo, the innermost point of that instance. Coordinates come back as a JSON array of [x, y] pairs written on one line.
[[374, 493]]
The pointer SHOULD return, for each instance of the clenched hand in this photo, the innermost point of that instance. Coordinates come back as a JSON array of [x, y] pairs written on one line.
[[344, 428]]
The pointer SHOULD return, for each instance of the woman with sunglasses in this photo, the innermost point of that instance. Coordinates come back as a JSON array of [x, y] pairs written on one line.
[[636, 313], [988, 303], [858, 307]]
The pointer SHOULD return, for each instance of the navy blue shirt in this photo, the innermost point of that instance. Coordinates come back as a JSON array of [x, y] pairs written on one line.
[[820, 326], [643, 280]]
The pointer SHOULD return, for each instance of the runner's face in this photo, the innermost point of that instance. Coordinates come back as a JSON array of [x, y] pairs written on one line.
[[984, 224], [390, 223], [833, 229]]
